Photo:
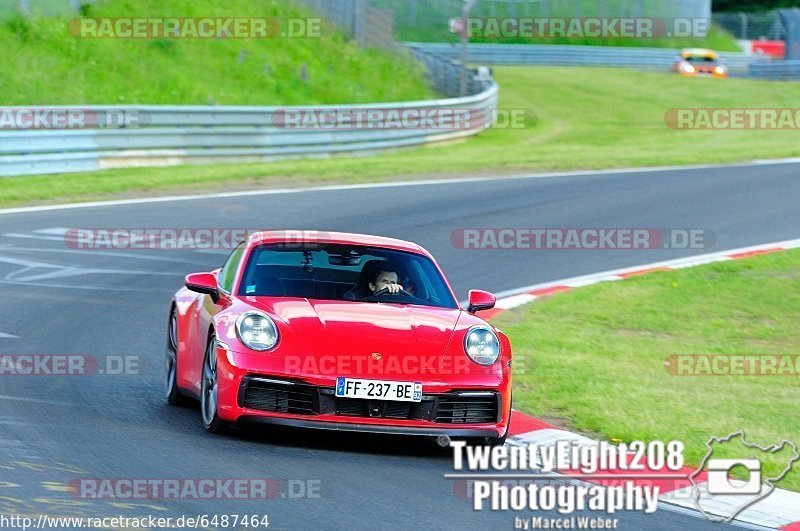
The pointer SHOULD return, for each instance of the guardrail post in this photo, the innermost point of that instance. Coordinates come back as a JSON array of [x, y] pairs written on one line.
[[468, 5], [359, 21], [637, 9], [745, 22]]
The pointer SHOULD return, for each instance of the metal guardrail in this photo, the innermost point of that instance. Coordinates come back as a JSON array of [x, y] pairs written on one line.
[[777, 70], [207, 134], [650, 59], [175, 135], [444, 74]]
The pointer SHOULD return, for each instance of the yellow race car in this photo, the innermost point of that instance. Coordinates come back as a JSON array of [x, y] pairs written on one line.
[[699, 62]]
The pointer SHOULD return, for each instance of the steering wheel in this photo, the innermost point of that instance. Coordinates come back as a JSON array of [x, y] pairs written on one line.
[[384, 296], [385, 291]]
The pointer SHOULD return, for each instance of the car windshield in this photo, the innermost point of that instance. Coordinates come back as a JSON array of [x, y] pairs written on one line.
[[710, 61], [344, 272]]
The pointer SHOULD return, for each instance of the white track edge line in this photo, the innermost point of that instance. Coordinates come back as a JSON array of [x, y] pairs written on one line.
[[428, 182], [784, 245]]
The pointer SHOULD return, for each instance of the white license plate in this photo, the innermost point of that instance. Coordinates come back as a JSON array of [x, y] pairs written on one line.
[[379, 390]]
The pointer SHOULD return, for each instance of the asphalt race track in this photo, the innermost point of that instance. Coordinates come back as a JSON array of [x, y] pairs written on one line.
[[59, 300]]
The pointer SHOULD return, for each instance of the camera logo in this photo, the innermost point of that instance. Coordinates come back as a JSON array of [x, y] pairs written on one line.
[[735, 484], [719, 481]]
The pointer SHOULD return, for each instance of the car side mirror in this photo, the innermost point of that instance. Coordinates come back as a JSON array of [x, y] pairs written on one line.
[[480, 300], [205, 283]]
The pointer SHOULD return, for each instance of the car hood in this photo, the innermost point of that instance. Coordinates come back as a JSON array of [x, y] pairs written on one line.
[[391, 338]]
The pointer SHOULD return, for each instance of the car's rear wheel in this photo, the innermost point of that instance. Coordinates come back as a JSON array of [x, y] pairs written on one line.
[[209, 390], [171, 390]]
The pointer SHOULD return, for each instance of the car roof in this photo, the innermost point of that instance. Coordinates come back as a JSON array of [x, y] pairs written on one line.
[[313, 236], [699, 52]]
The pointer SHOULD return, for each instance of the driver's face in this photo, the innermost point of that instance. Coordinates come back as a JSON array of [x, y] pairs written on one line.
[[385, 280]]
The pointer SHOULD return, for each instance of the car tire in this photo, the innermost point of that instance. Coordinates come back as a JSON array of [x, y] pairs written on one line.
[[208, 391], [491, 441], [488, 441], [172, 392], [497, 441], [500, 441]]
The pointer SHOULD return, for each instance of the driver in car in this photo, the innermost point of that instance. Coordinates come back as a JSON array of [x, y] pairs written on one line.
[[385, 280], [376, 276]]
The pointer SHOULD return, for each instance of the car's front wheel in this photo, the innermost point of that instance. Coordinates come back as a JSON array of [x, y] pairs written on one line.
[[497, 441], [500, 441], [209, 390], [491, 441]]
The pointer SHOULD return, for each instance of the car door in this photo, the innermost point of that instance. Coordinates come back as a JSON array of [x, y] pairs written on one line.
[[203, 311]]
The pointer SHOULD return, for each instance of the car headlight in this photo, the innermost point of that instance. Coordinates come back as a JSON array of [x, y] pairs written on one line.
[[257, 331], [481, 345]]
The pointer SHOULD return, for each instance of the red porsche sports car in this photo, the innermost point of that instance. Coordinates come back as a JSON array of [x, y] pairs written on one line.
[[338, 331]]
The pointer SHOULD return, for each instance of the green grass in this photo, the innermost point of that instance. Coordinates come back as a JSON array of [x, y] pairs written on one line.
[[46, 65], [593, 358], [575, 119]]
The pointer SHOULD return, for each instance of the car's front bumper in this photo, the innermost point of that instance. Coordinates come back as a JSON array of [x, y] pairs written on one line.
[[704, 74], [371, 428], [472, 406]]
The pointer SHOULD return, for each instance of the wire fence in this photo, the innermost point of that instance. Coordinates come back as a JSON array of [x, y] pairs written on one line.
[[172, 135], [382, 21], [648, 59], [444, 73], [428, 20], [420, 12], [379, 23], [751, 26], [370, 26]]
